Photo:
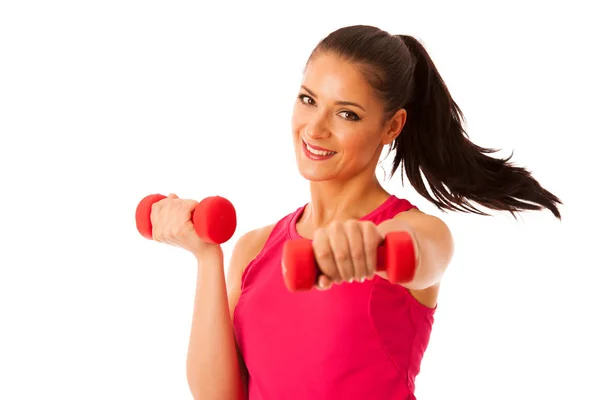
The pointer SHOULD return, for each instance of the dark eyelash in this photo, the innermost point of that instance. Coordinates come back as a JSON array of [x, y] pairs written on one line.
[[353, 117], [301, 98]]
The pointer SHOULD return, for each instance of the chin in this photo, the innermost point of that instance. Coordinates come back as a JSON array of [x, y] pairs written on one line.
[[310, 173], [313, 177], [313, 174]]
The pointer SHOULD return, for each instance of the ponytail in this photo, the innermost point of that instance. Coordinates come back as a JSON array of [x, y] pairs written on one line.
[[458, 172], [433, 146]]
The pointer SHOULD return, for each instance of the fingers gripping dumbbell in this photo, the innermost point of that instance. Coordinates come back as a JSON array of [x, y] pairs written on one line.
[[395, 256], [214, 218]]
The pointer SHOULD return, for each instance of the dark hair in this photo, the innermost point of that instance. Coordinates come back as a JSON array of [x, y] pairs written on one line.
[[433, 141]]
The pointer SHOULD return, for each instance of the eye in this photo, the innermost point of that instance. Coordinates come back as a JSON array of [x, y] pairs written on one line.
[[349, 115], [306, 99]]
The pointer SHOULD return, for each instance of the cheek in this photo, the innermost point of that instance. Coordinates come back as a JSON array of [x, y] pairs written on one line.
[[358, 146]]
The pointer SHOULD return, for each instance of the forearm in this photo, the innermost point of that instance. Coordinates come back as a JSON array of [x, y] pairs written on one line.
[[213, 371]]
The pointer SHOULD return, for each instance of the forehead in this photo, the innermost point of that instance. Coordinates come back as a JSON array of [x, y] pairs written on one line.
[[330, 76]]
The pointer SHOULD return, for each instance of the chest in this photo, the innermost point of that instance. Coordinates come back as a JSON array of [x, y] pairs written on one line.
[[277, 326]]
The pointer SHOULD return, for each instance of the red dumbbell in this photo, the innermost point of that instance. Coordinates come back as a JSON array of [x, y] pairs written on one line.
[[395, 256], [214, 218]]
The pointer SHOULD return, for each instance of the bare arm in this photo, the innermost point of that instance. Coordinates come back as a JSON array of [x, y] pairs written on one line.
[[434, 245], [214, 368], [434, 251]]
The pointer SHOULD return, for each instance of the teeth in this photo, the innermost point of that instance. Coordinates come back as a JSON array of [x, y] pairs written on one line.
[[318, 152]]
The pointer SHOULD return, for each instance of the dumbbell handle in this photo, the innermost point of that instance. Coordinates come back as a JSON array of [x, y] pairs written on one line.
[[214, 218], [395, 256]]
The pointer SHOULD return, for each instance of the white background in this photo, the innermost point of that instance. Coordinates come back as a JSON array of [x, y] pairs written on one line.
[[104, 102]]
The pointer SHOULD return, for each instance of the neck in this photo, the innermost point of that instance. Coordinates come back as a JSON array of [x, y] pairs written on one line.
[[338, 201]]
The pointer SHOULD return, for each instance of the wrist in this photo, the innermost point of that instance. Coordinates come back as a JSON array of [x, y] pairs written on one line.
[[209, 254]]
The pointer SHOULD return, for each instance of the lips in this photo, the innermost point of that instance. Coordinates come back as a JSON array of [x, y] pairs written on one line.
[[317, 153], [318, 150], [313, 147]]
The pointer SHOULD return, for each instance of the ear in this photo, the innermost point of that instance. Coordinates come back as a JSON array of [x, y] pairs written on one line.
[[394, 126]]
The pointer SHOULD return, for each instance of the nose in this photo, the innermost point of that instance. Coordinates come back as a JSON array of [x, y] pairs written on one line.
[[317, 128]]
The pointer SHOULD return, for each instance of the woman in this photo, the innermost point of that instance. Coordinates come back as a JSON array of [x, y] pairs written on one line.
[[356, 336]]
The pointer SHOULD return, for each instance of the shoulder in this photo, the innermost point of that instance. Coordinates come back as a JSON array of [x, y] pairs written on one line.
[[420, 223], [248, 246], [420, 220], [251, 243]]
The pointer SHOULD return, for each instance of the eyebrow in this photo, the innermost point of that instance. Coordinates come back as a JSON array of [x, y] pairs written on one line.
[[343, 103]]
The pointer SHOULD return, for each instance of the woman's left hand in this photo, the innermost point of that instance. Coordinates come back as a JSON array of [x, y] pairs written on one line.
[[346, 252]]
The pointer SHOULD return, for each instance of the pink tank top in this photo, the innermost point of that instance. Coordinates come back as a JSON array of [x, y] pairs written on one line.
[[354, 341]]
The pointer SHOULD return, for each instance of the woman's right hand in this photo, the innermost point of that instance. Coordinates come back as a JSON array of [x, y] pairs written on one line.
[[171, 220]]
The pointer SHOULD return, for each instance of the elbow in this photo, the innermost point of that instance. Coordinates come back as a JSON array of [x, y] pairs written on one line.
[[194, 388], [197, 389], [213, 390]]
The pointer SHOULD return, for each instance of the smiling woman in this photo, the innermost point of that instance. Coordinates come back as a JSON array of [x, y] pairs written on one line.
[[357, 333], [339, 115]]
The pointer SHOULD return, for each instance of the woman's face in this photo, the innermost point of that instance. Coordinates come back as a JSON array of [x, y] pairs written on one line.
[[338, 123]]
